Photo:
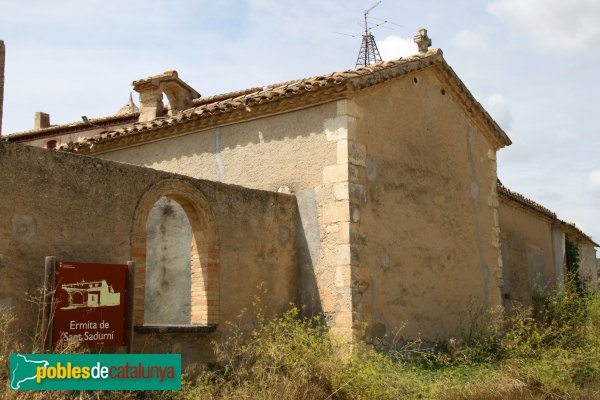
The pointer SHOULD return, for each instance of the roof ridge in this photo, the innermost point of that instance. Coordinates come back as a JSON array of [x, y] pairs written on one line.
[[230, 95], [327, 87], [224, 103]]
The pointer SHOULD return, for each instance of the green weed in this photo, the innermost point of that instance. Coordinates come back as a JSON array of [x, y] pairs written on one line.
[[552, 354]]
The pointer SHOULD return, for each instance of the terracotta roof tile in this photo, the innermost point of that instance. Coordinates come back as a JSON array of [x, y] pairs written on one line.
[[506, 193], [571, 228], [73, 127], [524, 201], [223, 96], [353, 79]]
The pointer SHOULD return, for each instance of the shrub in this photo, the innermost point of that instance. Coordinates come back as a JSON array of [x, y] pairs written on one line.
[[553, 356]]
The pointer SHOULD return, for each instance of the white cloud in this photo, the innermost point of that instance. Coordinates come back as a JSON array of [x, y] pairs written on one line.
[[566, 137], [469, 40], [395, 47], [497, 106], [561, 26], [594, 182]]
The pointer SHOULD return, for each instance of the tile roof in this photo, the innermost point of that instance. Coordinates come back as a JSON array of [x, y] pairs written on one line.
[[518, 198], [129, 113], [337, 83], [78, 126], [572, 229], [503, 191], [224, 96]]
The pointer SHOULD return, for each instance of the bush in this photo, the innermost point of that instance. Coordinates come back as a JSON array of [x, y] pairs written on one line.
[[553, 356], [556, 355], [288, 356]]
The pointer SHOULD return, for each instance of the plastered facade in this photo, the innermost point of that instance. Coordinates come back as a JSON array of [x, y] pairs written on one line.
[[528, 254], [169, 242], [88, 210], [289, 149], [588, 271], [427, 257], [301, 151], [391, 208], [534, 252], [397, 218]]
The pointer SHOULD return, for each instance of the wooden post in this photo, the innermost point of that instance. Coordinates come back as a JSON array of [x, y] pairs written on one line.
[[47, 303], [130, 299]]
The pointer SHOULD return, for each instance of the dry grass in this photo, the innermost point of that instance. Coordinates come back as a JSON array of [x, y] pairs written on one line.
[[556, 356]]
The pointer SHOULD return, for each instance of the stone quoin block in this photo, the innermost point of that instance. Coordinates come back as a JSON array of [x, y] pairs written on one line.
[[336, 212]]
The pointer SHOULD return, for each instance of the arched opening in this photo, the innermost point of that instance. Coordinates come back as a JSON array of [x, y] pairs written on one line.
[[168, 265], [175, 247], [77, 298]]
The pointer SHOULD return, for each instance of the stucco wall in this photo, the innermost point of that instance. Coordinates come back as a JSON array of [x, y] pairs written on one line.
[[288, 149], [298, 150], [82, 209], [396, 198], [560, 255], [588, 268], [169, 264], [428, 258], [527, 253]]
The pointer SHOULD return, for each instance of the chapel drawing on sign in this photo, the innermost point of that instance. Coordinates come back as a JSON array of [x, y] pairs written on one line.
[[90, 295]]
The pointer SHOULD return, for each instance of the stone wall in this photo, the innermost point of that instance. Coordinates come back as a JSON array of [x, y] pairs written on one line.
[[91, 210], [396, 197], [426, 252], [299, 151]]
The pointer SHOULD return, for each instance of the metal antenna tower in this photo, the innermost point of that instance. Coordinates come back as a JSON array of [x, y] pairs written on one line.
[[368, 53]]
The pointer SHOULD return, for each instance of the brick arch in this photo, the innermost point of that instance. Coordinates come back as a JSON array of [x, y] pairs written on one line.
[[205, 263]]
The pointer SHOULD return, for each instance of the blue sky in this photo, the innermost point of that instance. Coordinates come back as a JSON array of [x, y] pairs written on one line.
[[532, 63]]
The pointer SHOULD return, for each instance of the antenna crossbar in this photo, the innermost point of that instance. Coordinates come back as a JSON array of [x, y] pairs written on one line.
[[369, 53]]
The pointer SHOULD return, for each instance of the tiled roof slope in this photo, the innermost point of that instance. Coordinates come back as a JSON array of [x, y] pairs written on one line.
[[224, 96], [503, 191], [575, 231], [525, 202], [72, 127], [123, 116], [249, 103]]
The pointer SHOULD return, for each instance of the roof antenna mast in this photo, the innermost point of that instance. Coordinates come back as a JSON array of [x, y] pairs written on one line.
[[368, 53]]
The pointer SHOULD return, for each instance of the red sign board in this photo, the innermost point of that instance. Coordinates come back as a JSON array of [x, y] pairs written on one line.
[[90, 304]]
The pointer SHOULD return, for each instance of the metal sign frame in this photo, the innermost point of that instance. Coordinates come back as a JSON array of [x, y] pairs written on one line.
[[99, 294]]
